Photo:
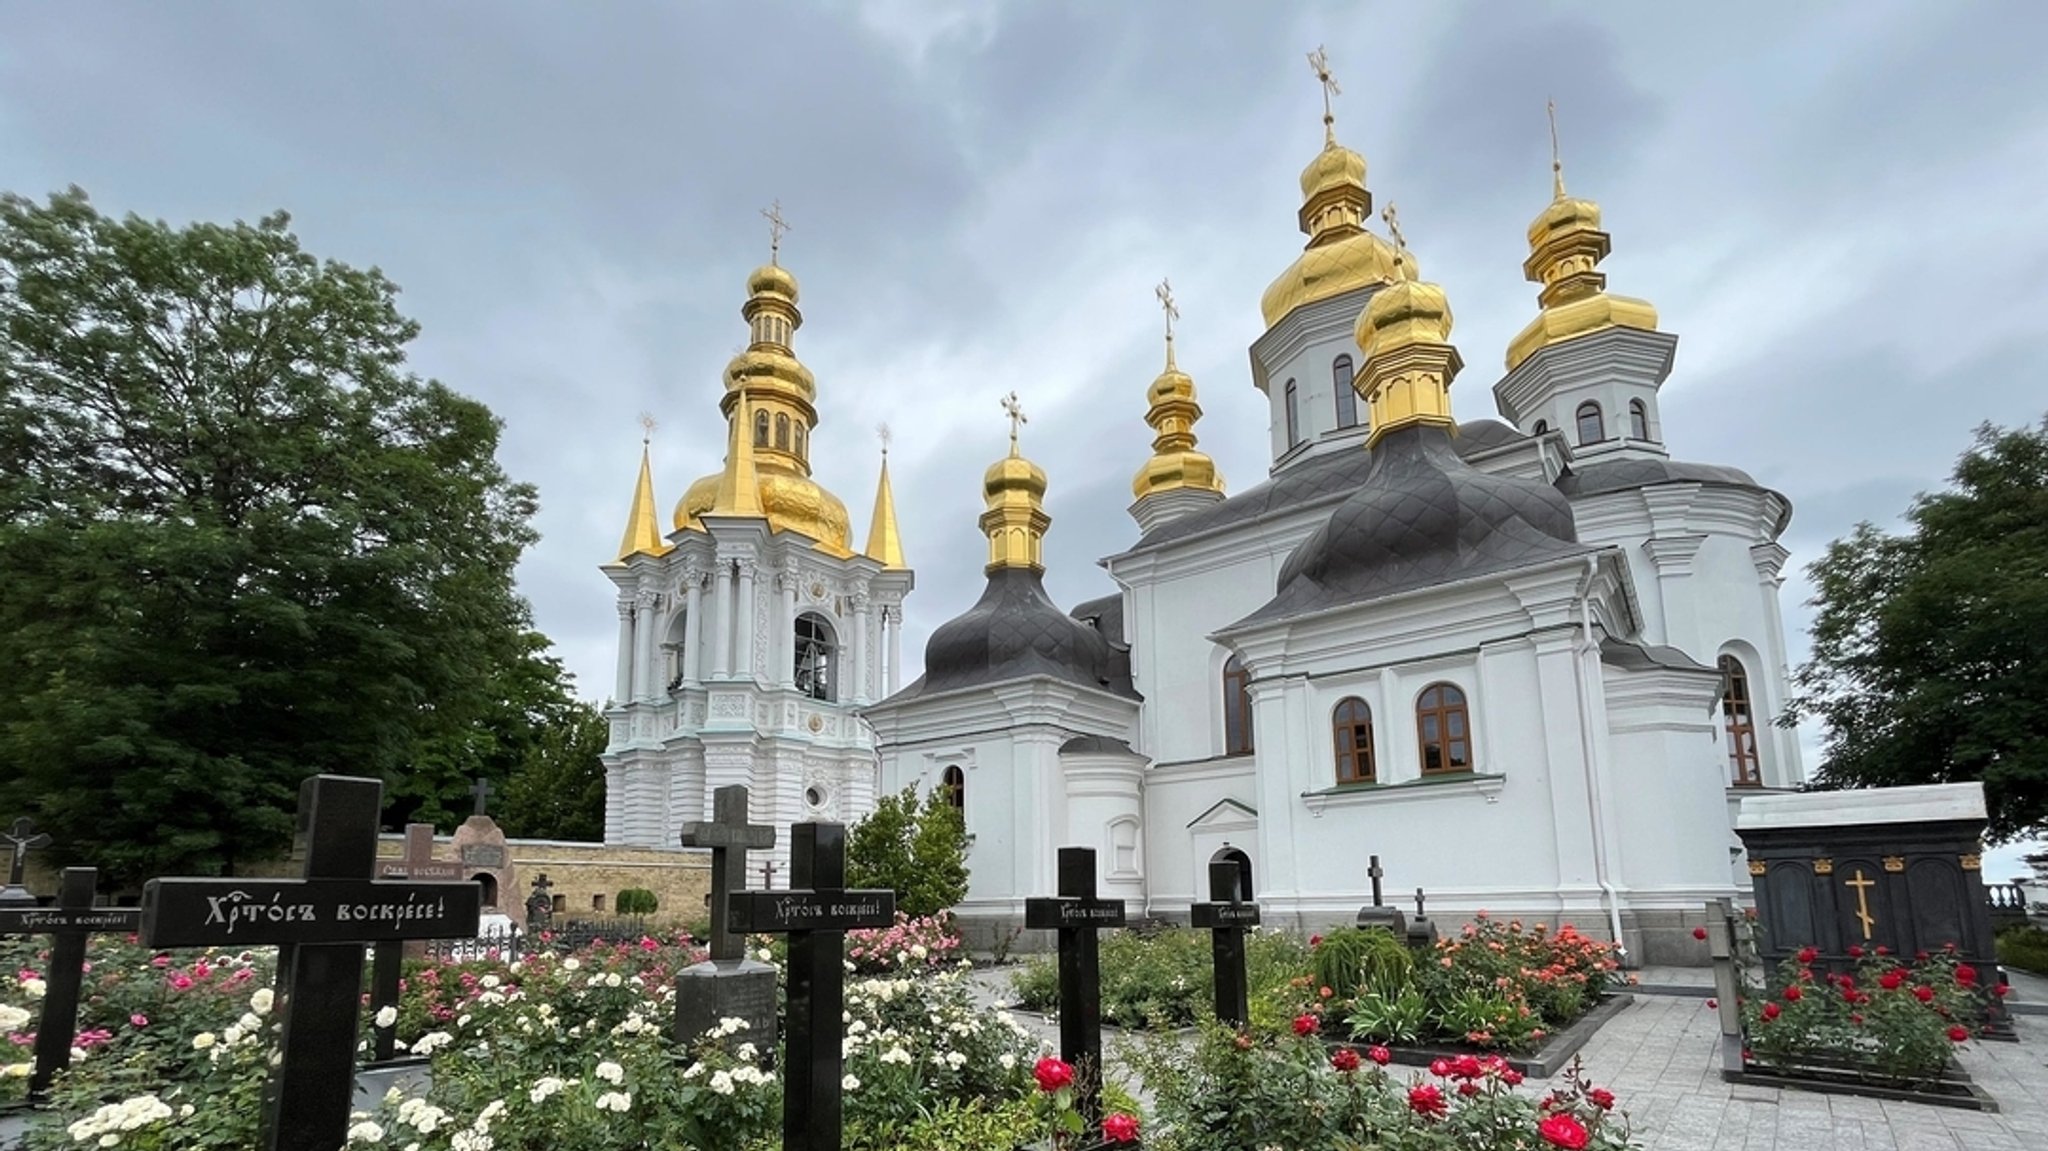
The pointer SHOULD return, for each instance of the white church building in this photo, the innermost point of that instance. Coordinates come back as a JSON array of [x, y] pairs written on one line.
[[1528, 662]]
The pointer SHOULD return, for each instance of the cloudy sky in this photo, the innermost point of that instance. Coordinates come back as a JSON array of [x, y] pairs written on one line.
[[1836, 206]]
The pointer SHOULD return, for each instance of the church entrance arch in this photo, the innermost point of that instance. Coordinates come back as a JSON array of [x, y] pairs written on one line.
[[1244, 869]]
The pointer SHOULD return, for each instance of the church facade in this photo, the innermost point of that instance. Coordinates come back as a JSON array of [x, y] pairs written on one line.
[[1530, 662]]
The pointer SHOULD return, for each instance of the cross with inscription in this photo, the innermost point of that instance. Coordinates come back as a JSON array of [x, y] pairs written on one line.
[[67, 924], [1078, 914], [1226, 917], [481, 789], [21, 840], [320, 924], [816, 912]]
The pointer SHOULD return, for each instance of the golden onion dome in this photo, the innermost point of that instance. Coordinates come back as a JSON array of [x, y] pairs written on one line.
[[1562, 215], [1171, 384], [1335, 166], [772, 280], [1356, 261], [1409, 312], [791, 502], [1012, 473], [768, 367]]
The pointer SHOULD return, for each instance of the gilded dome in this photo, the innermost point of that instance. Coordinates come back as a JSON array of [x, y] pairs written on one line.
[[1409, 312], [1171, 384], [792, 503], [1563, 214], [1013, 473], [1359, 260], [772, 279], [1334, 166]]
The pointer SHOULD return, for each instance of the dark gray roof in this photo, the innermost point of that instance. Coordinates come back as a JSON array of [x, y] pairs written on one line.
[[1602, 476], [1322, 479], [1014, 631], [1647, 656], [1421, 516], [1105, 615], [1087, 744]]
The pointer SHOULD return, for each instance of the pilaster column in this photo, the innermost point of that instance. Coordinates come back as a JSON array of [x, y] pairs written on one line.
[[860, 647], [693, 624], [622, 693], [721, 620], [743, 622], [785, 675], [892, 622], [643, 647]]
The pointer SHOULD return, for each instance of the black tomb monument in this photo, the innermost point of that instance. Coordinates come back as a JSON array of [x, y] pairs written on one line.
[[727, 984]]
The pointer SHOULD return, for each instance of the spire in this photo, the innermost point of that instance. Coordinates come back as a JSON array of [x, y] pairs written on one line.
[[1014, 490], [1566, 246], [885, 545], [739, 486], [1175, 464], [1405, 335], [643, 530]]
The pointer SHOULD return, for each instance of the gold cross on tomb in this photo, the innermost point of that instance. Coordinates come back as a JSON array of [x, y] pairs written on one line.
[[1863, 884]]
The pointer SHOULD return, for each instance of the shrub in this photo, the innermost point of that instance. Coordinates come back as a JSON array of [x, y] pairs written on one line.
[[637, 901], [919, 852], [2025, 948], [908, 945], [1351, 958], [1900, 1021]]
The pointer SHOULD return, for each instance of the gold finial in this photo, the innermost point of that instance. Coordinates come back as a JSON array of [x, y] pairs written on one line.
[[1015, 410], [1165, 293], [777, 228], [647, 426], [1556, 160], [1393, 222], [643, 531], [883, 434], [1319, 60]]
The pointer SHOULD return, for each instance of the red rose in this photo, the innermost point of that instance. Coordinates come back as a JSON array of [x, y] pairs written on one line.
[[1856, 1019], [1966, 975], [1467, 1067], [1468, 1088], [1959, 1033], [1344, 1059], [1244, 1042], [1856, 951], [1714, 1003], [1120, 1128], [1699, 933], [1793, 994], [1315, 941], [1325, 993], [2002, 990], [1561, 1130], [1771, 1011], [1305, 1025], [1440, 1067], [1511, 1077], [1924, 993], [1427, 1101], [1891, 980], [1053, 1074], [1602, 1098], [1920, 956], [1883, 950], [1808, 954]]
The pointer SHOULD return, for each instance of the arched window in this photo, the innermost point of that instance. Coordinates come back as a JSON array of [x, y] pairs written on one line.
[[1293, 416], [782, 431], [953, 785], [1237, 708], [1542, 426], [1347, 396], [815, 653], [1351, 731], [1592, 429], [1444, 728], [1244, 871], [676, 650], [760, 429], [800, 441], [1638, 420], [1738, 722]]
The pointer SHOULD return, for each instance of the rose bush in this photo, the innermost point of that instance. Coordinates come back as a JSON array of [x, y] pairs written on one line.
[[1883, 1020]]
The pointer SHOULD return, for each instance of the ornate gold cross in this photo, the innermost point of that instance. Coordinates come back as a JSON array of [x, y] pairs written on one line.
[[1556, 160], [647, 426], [1393, 219], [1319, 60], [883, 434], [1165, 293], [1863, 884], [777, 228], [1015, 410]]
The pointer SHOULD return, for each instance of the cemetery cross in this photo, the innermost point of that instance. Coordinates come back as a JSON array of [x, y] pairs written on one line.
[[1226, 917], [815, 912], [320, 924], [727, 984], [1078, 914], [481, 789], [387, 958], [23, 839], [1373, 872], [67, 924]]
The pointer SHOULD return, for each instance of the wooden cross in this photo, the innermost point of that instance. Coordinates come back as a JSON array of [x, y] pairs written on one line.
[[729, 837], [25, 838], [320, 923], [815, 913], [1556, 160], [68, 924], [481, 789], [1863, 884], [1319, 61], [1015, 410], [777, 228], [1393, 219], [1078, 915], [1226, 917]]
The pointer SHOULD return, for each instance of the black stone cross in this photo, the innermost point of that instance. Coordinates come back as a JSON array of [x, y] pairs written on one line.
[[1226, 917], [320, 924], [1077, 914], [730, 837], [815, 913], [1373, 871], [1418, 903], [68, 924], [22, 839], [481, 789]]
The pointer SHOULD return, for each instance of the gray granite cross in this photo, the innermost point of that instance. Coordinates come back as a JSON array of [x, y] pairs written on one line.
[[481, 789], [730, 837]]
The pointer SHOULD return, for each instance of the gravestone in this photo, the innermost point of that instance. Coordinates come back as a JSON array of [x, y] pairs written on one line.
[[815, 912], [727, 984], [1077, 914], [1894, 867], [387, 959], [1379, 914], [1226, 918], [68, 924], [320, 924], [485, 858], [1421, 931], [21, 839], [540, 906]]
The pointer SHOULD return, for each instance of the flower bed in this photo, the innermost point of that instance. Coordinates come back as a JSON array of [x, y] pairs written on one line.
[[1165, 980]]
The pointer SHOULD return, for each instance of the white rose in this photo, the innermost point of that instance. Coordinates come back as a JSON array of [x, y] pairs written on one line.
[[366, 1132], [850, 1083], [386, 1016], [263, 1000], [203, 1040], [611, 1073], [721, 1082]]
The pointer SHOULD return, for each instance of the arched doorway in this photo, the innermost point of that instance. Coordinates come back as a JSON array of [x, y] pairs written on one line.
[[1244, 869], [488, 885]]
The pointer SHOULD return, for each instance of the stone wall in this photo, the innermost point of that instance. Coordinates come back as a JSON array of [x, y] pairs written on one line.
[[579, 873]]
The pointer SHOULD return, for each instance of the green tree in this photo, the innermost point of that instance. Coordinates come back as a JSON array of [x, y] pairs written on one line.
[[917, 851], [239, 542], [557, 791], [1930, 649]]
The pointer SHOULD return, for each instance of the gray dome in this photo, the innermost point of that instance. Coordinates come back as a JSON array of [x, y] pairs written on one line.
[[1421, 516], [1014, 630]]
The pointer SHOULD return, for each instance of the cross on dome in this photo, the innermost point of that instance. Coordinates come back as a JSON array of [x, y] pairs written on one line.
[[1165, 293], [1393, 221], [777, 228], [1556, 160], [1319, 61], [647, 426], [1015, 410], [883, 434]]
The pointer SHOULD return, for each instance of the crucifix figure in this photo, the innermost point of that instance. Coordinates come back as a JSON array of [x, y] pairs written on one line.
[[481, 789], [1418, 903], [777, 228], [1863, 884], [24, 838], [1319, 61], [1556, 161], [1015, 410], [1393, 219]]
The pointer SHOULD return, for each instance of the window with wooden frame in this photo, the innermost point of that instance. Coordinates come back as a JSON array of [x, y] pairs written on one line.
[[1237, 708], [953, 785], [1444, 728], [1738, 725], [1592, 427], [1351, 733], [1341, 374]]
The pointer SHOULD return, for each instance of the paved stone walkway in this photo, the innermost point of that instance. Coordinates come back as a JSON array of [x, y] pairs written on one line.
[[1660, 1055]]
